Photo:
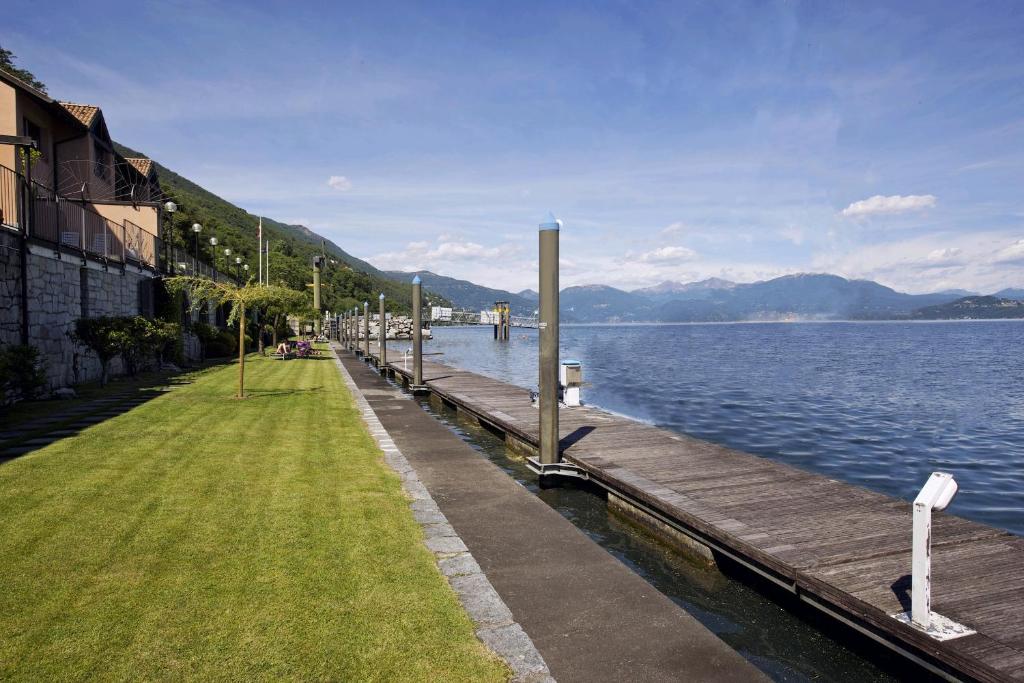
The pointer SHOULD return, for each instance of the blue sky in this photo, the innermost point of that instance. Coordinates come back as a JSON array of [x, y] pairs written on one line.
[[676, 140]]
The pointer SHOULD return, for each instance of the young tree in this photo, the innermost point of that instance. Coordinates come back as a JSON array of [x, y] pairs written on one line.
[[282, 304], [242, 298], [102, 337]]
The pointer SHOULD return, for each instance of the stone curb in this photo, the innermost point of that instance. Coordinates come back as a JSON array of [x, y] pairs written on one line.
[[495, 626]]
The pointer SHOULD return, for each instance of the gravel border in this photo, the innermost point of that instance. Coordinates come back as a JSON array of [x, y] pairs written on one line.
[[495, 626]]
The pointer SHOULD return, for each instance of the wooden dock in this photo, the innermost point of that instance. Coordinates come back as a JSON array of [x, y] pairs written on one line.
[[839, 547]]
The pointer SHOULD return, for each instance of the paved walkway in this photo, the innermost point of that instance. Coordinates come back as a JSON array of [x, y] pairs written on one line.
[[590, 616]]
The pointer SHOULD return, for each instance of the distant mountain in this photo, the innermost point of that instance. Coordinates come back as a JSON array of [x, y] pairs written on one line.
[[959, 293], [1010, 293], [465, 294], [792, 297], [600, 303], [669, 291], [804, 296], [972, 307]]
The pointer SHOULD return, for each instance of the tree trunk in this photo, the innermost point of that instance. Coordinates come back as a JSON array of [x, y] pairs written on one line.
[[103, 372], [277, 320], [241, 352]]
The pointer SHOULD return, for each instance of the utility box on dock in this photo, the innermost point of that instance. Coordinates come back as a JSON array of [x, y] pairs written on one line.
[[570, 377]]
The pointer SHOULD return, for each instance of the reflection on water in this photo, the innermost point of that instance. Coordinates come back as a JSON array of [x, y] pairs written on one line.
[[880, 405], [786, 640]]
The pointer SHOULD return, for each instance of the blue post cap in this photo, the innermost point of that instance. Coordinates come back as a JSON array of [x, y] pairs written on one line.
[[550, 223], [416, 279], [381, 297]]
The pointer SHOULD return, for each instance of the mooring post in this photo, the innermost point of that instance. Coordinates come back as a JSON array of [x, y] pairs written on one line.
[[548, 370], [417, 332], [354, 341], [366, 329], [382, 334]]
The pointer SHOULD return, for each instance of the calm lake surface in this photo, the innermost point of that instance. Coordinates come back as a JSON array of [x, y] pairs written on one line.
[[880, 405]]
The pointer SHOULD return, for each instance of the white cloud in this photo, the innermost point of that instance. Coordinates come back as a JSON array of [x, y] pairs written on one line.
[[982, 261], [339, 183], [950, 256], [880, 204], [667, 255], [792, 234], [445, 256], [1013, 253], [673, 229]]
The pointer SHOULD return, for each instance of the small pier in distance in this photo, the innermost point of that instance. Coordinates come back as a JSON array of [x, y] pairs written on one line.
[[836, 546]]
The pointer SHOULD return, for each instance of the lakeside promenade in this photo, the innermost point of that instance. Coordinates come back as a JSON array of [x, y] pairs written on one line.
[[840, 548], [590, 616]]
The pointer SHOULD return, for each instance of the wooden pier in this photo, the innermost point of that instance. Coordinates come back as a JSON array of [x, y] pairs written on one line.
[[839, 547]]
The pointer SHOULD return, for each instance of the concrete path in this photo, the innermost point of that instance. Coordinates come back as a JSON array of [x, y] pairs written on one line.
[[590, 616]]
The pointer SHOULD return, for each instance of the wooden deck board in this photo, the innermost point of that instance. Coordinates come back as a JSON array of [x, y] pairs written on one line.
[[845, 545]]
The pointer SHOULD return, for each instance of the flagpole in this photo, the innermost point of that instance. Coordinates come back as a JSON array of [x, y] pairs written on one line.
[[259, 249]]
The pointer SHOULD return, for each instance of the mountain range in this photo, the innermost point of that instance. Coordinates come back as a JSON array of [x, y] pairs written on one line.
[[809, 296]]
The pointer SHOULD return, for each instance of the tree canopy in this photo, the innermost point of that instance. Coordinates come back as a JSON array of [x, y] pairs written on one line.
[[7, 64]]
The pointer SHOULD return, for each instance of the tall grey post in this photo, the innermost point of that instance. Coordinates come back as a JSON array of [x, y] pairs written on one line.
[[548, 370], [355, 328], [316, 293], [366, 329], [382, 336], [417, 332]]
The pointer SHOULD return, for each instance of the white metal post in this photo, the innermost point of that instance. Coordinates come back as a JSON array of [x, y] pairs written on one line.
[[921, 588]]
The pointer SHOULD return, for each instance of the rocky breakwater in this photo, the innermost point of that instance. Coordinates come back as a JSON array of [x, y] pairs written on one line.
[[399, 327]]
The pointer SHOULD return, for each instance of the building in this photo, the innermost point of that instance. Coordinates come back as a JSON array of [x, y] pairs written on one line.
[[87, 196]]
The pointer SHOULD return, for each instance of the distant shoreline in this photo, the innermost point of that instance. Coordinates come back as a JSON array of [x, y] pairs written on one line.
[[790, 322]]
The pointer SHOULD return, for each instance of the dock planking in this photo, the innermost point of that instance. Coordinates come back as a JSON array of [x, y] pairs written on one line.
[[840, 547]]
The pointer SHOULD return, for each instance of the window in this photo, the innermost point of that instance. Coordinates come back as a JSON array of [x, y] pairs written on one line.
[[99, 162], [35, 132]]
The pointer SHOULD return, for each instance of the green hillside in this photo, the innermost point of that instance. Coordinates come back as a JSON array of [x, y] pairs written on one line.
[[346, 283]]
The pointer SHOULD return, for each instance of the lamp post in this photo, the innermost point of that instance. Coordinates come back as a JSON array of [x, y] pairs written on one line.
[[238, 268], [213, 251], [170, 208], [196, 229], [245, 267]]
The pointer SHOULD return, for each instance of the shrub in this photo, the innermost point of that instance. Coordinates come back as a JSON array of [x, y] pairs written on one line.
[[133, 338], [22, 373], [207, 334], [223, 345]]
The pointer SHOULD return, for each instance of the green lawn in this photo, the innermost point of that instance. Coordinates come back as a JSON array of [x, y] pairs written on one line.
[[202, 537]]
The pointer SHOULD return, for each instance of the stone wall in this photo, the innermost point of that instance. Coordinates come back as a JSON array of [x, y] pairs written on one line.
[[63, 287]]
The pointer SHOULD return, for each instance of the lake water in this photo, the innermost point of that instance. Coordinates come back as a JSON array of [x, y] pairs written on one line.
[[880, 405]]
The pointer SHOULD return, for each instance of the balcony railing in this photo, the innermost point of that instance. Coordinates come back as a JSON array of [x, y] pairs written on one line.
[[70, 224]]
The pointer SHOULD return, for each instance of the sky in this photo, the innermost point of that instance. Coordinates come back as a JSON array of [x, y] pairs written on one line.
[[676, 141]]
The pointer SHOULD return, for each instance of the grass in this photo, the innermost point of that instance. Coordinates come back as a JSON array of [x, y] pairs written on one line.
[[201, 537]]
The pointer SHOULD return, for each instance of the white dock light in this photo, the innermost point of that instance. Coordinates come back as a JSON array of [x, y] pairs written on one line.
[[936, 494]]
